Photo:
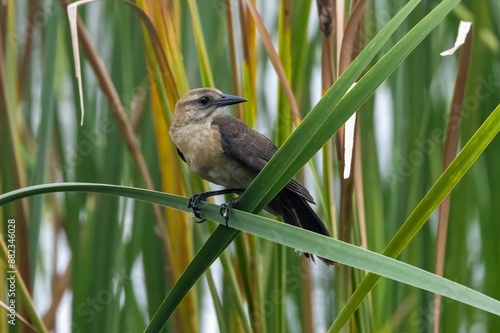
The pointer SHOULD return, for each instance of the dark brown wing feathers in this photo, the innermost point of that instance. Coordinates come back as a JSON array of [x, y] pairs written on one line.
[[251, 148], [254, 150]]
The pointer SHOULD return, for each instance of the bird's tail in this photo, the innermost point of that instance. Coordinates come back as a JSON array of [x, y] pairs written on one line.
[[296, 211]]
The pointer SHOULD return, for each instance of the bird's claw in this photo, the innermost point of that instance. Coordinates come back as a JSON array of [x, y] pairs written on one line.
[[225, 208], [193, 203]]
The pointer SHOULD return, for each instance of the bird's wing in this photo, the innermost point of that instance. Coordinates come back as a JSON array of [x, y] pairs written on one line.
[[250, 148], [241, 142]]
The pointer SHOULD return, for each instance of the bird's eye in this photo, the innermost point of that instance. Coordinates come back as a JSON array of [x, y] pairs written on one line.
[[204, 100]]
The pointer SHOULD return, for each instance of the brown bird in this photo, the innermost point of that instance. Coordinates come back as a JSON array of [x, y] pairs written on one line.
[[226, 151]]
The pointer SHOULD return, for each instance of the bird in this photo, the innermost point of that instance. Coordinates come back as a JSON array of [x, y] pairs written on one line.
[[226, 151]]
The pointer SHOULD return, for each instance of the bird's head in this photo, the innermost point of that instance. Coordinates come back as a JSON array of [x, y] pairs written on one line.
[[202, 105]]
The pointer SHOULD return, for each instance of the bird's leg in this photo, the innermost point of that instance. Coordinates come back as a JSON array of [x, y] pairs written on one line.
[[194, 201], [226, 207]]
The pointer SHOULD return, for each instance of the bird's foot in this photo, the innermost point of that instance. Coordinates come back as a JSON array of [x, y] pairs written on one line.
[[195, 200], [193, 203], [225, 208]]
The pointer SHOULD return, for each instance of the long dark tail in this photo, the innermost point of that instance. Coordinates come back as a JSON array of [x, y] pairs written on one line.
[[296, 211]]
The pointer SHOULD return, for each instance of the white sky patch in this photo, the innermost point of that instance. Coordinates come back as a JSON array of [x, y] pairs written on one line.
[[43, 281], [318, 272], [315, 84], [312, 24], [384, 126], [63, 313], [127, 209], [463, 30], [139, 285], [349, 145], [63, 253], [265, 121], [208, 315], [349, 142]]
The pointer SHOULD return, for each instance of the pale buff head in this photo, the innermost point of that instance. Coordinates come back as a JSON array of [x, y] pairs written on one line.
[[202, 105]]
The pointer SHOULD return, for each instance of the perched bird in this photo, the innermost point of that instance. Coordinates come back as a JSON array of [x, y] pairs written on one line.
[[226, 151]]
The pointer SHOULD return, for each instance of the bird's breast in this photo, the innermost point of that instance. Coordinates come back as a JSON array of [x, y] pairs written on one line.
[[202, 150]]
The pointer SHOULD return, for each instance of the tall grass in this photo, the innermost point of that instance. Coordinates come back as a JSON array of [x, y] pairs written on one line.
[[91, 262]]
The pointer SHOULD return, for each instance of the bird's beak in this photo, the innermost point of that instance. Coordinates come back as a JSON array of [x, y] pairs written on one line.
[[226, 100]]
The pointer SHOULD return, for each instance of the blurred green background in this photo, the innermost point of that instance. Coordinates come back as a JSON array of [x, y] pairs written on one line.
[[95, 263]]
